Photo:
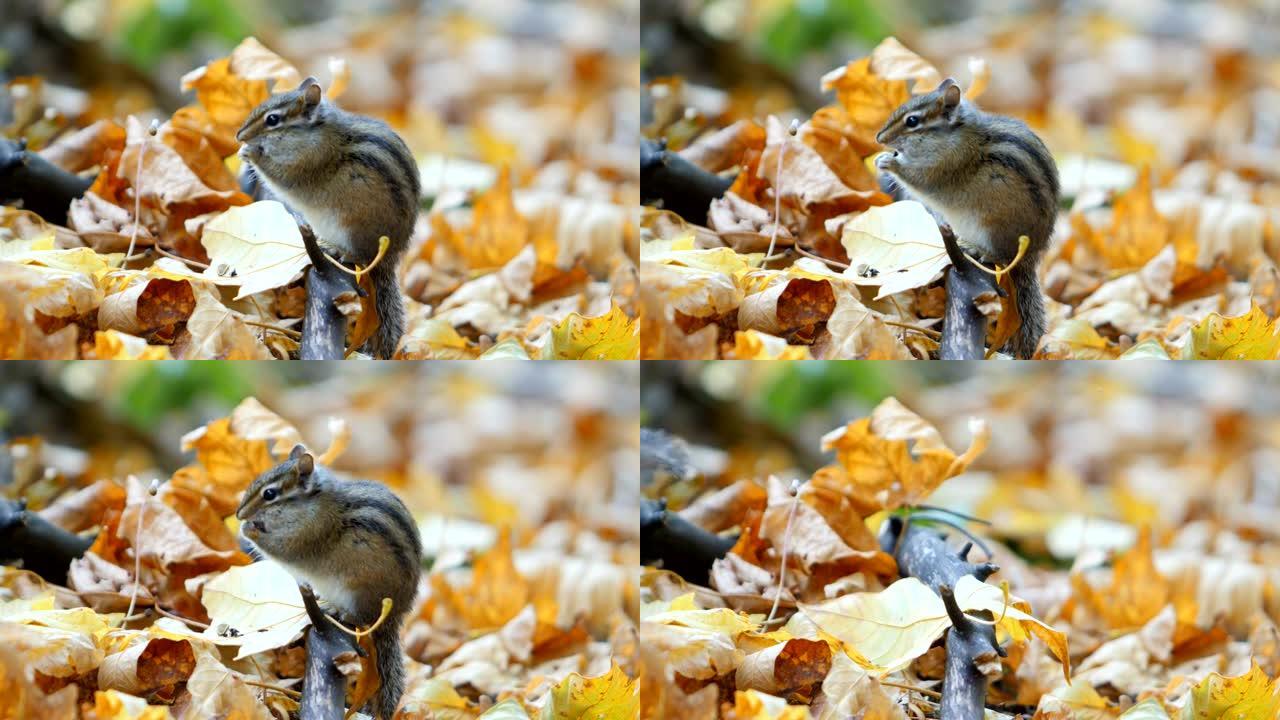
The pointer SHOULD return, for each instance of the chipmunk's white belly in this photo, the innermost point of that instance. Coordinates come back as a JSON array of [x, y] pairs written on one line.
[[965, 221], [968, 227], [324, 221], [329, 589]]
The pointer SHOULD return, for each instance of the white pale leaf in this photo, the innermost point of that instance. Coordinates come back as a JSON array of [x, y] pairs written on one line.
[[257, 607], [897, 247], [257, 247]]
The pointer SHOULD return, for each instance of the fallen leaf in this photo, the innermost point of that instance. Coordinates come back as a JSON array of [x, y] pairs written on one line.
[[893, 458], [1252, 336], [612, 696], [897, 247], [254, 608], [608, 337], [1252, 695]]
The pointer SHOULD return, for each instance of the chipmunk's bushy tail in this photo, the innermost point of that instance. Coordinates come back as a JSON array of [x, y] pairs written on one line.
[[386, 640], [390, 306], [1030, 303]]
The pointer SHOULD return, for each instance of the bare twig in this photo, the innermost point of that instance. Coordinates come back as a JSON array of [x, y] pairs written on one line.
[[137, 552], [833, 263], [777, 190], [137, 191], [786, 548]]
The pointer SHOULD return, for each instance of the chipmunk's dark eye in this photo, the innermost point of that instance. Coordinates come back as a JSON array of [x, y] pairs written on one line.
[[911, 121], [270, 494], [273, 119]]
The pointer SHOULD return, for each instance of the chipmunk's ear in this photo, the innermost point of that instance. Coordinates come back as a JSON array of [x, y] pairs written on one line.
[[311, 92], [306, 464], [950, 95]]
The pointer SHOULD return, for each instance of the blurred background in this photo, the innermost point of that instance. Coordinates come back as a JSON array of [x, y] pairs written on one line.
[[492, 444], [1155, 81], [1180, 447], [518, 82]]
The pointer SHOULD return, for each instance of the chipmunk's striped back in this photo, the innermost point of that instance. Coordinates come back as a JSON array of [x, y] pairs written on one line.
[[989, 177], [351, 177]]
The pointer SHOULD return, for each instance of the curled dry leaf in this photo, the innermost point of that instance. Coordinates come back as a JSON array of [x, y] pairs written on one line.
[[216, 332], [147, 305], [785, 667], [147, 663], [892, 61], [788, 305], [858, 332]]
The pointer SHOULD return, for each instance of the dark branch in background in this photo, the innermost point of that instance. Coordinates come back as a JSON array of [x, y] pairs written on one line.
[[672, 395], [684, 188], [324, 687], [324, 327], [44, 188], [43, 548], [683, 548], [964, 330], [924, 554], [664, 455]]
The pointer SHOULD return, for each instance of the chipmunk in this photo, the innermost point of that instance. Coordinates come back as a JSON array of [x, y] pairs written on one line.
[[353, 541], [989, 177], [350, 177]]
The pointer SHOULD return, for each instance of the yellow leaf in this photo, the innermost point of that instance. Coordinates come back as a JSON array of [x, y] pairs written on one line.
[[434, 339], [1252, 695], [497, 591], [230, 88], [1138, 231], [755, 705], [755, 345], [1077, 701], [509, 709], [1138, 592], [1149, 709], [1076, 339], [115, 345], [608, 337], [883, 631], [508, 349], [497, 233], [865, 97], [893, 458], [612, 696], [684, 612], [115, 705], [1251, 336], [1014, 619]]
